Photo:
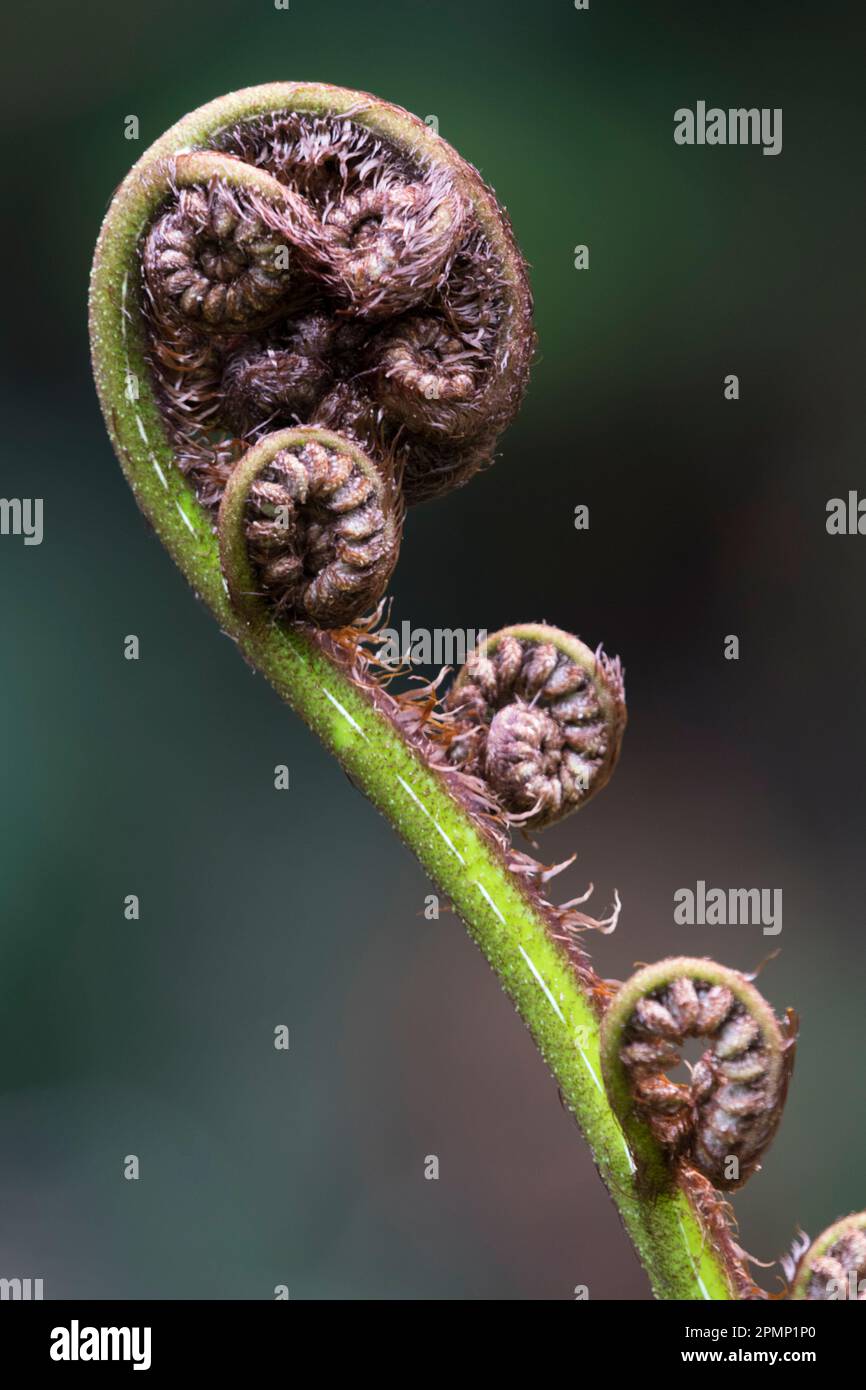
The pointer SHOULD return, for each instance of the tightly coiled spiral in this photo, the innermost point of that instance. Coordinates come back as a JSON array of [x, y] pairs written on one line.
[[540, 717], [722, 1120], [212, 264], [306, 272], [310, 516], [833, 1267]]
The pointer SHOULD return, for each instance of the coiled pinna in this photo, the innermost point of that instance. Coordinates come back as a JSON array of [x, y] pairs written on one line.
[[307, 522], [722, 1120], [540, 717]]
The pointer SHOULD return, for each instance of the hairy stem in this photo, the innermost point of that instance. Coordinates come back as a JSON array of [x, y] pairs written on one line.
[[672, 1236]]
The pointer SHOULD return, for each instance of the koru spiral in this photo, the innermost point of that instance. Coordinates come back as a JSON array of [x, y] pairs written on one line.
[[345, 274], [721, 1120], [540, 717]]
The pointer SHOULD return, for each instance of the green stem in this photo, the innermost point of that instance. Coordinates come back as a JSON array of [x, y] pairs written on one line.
[[669, 1233]]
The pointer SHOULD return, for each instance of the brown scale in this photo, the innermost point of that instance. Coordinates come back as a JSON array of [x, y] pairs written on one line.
[[730, 1107], [455, 437], [350, 409], [320, 536], [435, 467], [188, 369], [286, 377], [266, 386], [536, 728], [471, 299], [325, 157]]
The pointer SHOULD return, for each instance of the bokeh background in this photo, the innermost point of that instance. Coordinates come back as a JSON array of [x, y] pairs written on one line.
[[707, 518]]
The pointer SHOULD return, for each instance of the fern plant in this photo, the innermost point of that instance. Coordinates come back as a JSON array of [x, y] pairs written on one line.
[[307, 314]]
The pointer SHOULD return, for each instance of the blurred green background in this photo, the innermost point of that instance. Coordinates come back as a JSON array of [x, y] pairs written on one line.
[[707, 518]]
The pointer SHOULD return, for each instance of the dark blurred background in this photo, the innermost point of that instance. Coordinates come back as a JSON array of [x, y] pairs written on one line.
[[154, 1037]]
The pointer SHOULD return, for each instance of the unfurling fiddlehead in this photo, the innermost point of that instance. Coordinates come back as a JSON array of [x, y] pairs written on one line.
[[324, 319], [834, 1266], [540, 717], [303, 272], [721, 1120]]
